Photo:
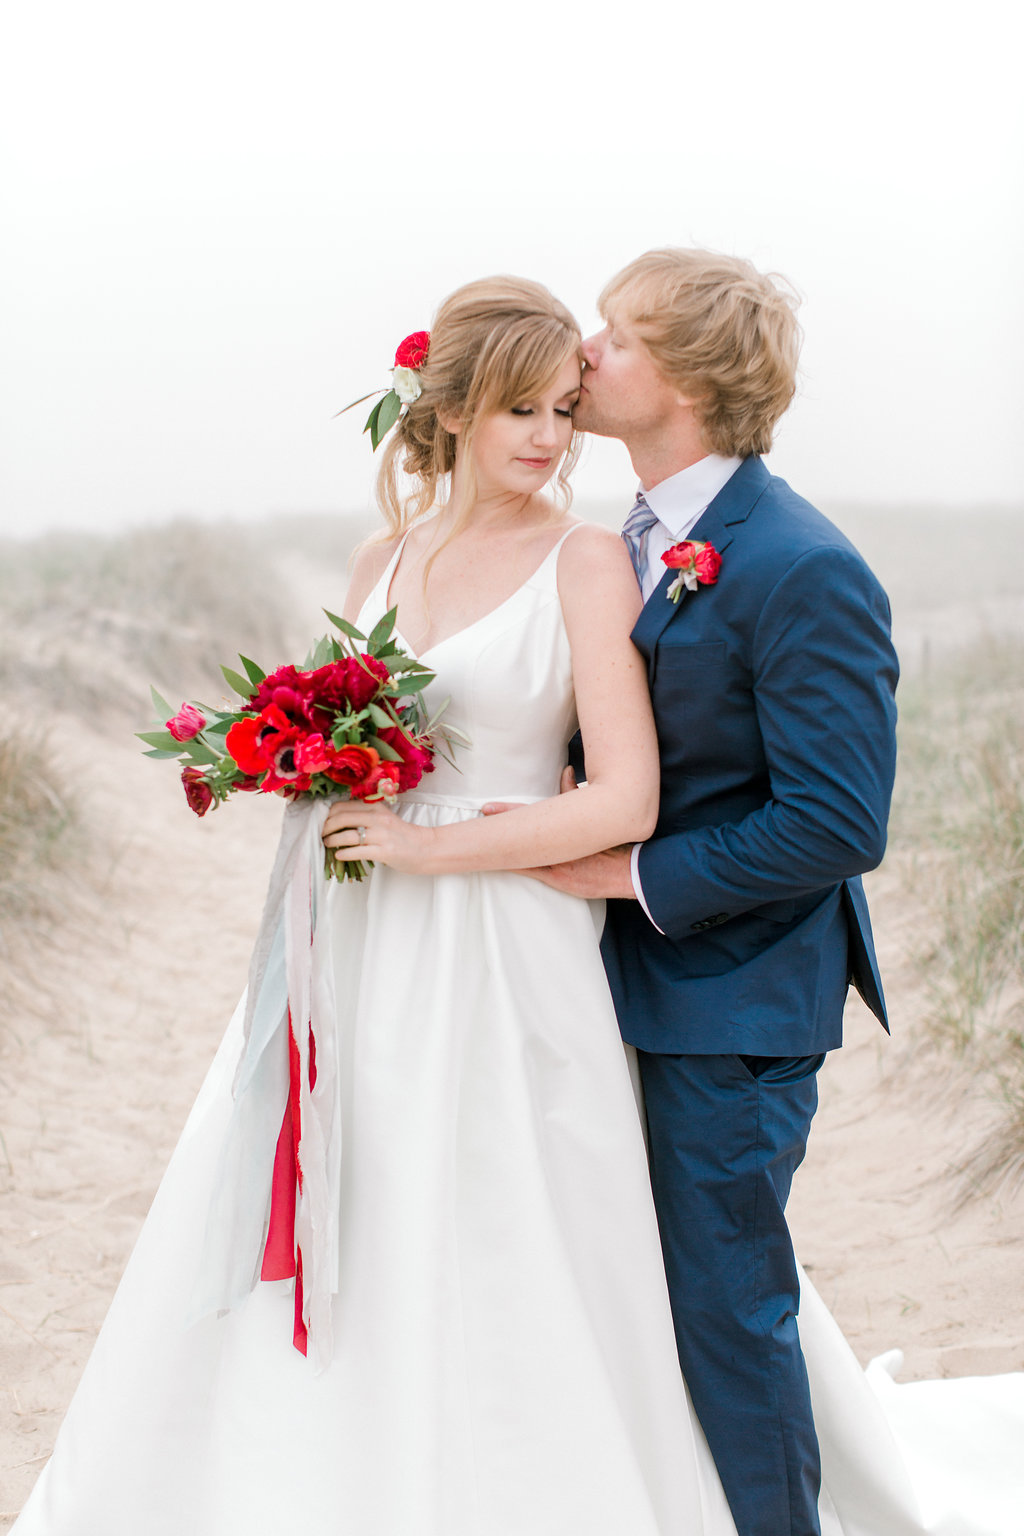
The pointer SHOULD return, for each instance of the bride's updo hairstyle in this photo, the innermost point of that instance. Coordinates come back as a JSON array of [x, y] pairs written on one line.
[[494, 344]]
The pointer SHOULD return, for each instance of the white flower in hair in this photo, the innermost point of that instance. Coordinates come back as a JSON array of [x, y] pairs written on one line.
[[406, 385]]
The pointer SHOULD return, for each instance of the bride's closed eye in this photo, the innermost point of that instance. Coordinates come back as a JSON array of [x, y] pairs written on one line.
[[560, 410]]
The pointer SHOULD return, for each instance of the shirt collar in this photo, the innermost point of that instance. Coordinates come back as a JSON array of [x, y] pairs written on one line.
[[678, 501]]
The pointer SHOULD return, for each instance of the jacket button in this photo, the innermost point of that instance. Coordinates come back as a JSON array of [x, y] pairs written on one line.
[[709, 922]]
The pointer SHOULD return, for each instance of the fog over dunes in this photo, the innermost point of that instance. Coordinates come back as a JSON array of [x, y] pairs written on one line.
[[217, 227]]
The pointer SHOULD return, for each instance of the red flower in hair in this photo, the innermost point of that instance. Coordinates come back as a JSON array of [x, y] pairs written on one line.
[[412, 352]]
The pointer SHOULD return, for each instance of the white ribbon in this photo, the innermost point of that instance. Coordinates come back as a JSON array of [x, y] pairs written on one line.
[[291, 970]]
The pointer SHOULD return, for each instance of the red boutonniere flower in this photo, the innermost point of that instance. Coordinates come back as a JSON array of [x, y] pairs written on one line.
[[698, 564]]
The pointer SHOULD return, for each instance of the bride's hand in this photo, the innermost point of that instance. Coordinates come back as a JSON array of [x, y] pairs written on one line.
[[356, 831]]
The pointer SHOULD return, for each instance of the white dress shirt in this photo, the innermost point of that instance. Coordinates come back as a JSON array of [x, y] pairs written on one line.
[[678, 503]]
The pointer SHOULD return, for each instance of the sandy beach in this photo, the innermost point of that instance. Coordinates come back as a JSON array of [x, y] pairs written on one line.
[[116, 1010]]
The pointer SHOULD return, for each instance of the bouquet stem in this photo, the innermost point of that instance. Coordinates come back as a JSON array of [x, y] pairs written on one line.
[[333, 870]]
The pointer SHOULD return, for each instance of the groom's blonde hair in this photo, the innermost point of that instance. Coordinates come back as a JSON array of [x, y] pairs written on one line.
[[723, 332]]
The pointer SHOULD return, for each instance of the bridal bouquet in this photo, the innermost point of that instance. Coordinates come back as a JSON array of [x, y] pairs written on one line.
[[347, 724]]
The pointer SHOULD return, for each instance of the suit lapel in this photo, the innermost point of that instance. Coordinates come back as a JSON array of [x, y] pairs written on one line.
[[732, 505]]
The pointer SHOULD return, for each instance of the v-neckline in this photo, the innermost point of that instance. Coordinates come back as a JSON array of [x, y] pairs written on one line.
[[389, 576]]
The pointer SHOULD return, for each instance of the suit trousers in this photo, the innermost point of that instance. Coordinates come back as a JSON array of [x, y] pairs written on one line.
[[726, 1135]]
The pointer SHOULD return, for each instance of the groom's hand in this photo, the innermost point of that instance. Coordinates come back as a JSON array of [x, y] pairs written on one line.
[[599, 874]]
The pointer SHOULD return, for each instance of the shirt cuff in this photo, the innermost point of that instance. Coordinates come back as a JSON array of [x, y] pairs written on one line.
[[638, 890]]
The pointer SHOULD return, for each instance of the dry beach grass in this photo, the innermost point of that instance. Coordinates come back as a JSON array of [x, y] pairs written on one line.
[[127, 925]]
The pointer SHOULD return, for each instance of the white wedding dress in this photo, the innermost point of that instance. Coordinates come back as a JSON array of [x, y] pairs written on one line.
[[491, 1349]]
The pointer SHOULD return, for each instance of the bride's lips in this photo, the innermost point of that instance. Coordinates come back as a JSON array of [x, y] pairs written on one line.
[[536, 463]]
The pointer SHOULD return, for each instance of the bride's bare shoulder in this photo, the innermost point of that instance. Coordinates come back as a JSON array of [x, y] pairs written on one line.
[[369, 563], [593, 550]]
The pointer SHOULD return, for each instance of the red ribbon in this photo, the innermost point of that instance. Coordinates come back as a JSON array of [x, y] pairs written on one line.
[[281, 1258]]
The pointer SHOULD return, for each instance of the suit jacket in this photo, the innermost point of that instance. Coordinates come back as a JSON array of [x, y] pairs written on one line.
[[773, 695]]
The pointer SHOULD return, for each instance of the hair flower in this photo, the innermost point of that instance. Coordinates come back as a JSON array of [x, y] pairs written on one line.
[[405, 387], [412, 352], [409, 359]]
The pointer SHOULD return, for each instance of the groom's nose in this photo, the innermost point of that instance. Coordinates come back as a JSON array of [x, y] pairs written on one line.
[[591, 349]]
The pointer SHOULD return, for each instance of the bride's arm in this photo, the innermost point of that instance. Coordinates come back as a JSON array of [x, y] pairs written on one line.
[[600, 602]]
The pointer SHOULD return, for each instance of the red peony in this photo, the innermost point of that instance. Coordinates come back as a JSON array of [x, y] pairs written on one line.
[[287, 689], [188, 722], [707, 562], [352, 681], [412, 352], [197, 792]]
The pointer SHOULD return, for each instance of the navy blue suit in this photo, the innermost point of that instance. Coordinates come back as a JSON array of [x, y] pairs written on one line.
[[773, 694]]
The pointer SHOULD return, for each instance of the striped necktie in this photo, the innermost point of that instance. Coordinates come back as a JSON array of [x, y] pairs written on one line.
[[634, 531]]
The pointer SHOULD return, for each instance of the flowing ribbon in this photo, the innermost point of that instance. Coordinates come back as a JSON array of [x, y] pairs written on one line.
[[274, 1209]]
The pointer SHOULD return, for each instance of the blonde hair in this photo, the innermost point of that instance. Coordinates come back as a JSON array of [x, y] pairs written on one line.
[[722, 331], [494, 344]]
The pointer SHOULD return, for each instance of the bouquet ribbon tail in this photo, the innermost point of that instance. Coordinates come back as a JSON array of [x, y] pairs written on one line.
[[273, 1213]]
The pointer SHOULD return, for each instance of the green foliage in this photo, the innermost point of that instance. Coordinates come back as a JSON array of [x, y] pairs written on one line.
[[38, 830], [959, 816]]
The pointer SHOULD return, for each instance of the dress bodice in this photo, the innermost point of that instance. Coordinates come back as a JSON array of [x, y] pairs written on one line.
[[508, 677]]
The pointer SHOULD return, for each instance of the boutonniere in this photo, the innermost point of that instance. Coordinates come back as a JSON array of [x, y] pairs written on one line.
[[698, 565]]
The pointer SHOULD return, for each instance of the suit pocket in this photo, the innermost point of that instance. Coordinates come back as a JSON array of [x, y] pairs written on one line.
[[691, 653], [682, 669]]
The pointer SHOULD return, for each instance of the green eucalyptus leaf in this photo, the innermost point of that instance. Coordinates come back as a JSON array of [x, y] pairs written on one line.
[[198, 752], [435, 717], [371, 423], [345, 627], [256, 673], [240, 684], [362, 399], [158, 753], [161, 739], [381, 631], [164, 710], [388, 412], [384, 750]]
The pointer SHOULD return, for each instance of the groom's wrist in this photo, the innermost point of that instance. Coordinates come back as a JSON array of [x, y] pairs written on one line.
[[638, 890]]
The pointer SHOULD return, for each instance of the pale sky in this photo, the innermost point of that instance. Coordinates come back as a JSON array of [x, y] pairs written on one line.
[[218, 219]]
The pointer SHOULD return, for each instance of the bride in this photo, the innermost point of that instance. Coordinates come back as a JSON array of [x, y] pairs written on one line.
[[490, 1347], [486, 1344]]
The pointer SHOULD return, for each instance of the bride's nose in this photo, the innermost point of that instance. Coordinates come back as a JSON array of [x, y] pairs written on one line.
[[545, 432]]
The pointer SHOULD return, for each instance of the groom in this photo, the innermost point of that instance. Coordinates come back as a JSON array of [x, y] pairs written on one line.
[[741, 923]]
